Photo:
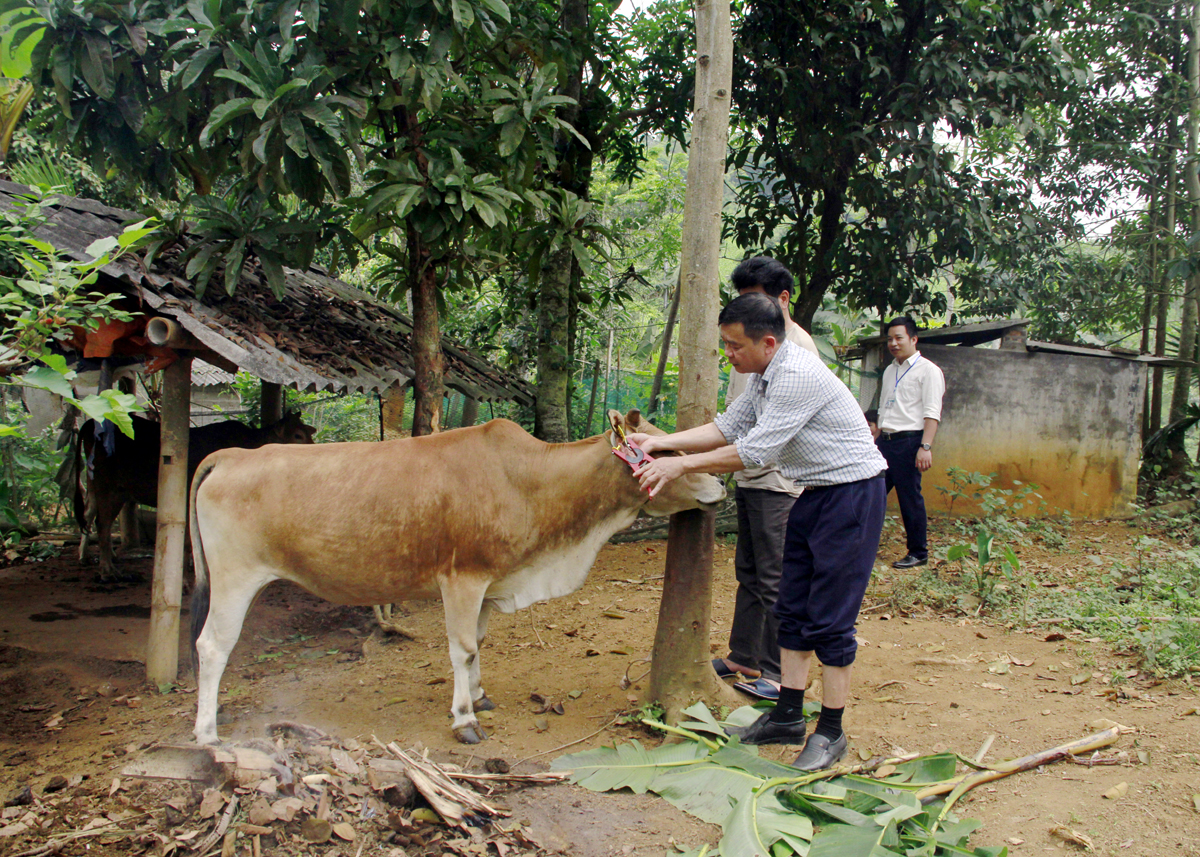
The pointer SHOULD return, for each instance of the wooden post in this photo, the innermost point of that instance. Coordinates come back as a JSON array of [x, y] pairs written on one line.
[[391, 411], [470, 412], [162, 655], [270, 407]]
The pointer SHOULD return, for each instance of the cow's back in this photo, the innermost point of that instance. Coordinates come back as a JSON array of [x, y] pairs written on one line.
[[365, 523]]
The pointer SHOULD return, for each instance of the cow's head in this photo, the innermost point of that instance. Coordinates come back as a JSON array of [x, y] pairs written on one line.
[[292, 429], [693, 491]]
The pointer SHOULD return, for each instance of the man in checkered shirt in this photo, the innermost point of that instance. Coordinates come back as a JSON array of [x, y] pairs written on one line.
[[796, 415]]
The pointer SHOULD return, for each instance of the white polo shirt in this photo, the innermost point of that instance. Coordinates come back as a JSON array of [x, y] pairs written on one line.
[[910, 393]]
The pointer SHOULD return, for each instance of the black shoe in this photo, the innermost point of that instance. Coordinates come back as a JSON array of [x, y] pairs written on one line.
[[820, 753], [766, 731], [910, 561]]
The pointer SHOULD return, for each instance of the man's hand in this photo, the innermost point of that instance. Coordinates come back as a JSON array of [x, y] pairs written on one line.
[[657, 473], [924, 459], [644, 442]]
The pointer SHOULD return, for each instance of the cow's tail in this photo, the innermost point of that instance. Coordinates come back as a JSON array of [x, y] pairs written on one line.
[[200, 591]]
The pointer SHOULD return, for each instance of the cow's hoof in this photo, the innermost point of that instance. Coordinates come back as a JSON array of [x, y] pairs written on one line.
[[484, 704], [472, 733]]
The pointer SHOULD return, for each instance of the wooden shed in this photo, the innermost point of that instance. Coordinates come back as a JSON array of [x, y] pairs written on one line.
[[322, 334]]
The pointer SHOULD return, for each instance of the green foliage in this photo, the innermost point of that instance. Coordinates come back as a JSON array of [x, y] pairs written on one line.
[[852, 120], [419, 120], [996, 504], [1151, 610], [987, 567], [21, 28], [766, 807], [42, 295], [337, 417]]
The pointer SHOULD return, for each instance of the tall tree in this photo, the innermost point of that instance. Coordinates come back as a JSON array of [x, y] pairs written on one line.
[[444, 109], [851, 120]]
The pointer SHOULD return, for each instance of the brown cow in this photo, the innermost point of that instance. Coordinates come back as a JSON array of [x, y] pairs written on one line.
[[130, 474], [484, 517]]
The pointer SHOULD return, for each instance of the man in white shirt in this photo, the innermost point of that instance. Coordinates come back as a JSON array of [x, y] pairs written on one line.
[[910, 409], [764, 498]]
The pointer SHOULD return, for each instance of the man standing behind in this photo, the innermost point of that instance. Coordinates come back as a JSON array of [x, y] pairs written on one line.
[[910, 408], [764, 498], [796, 414]]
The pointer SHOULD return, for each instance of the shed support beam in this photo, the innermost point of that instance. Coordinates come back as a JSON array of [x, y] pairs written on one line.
[[270, 407], [162, 656], [391, 410], [470, 412]]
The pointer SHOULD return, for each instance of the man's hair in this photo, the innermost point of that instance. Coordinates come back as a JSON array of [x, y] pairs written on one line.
[[910, 326], [766, 272], [757, 314]]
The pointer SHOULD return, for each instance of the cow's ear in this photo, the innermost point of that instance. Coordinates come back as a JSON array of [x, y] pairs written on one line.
[[633, 421], [616, 422]]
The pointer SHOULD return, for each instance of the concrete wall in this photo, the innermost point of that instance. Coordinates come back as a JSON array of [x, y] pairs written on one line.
[[1070, 424]]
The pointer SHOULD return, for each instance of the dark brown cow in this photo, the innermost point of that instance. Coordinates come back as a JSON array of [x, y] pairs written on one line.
[[131, 473], [484, 518]]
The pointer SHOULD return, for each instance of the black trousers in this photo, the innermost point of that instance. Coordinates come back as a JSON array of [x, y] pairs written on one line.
[[903, 475], [762, 524], [832, 539]]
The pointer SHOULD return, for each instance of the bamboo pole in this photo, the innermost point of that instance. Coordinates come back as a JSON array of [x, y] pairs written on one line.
[[162, 655]]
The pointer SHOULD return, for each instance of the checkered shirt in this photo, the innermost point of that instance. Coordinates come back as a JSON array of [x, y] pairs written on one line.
[[798, 416]]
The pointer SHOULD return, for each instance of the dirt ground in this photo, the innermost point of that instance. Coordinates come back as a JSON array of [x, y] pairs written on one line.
[[73, 703]]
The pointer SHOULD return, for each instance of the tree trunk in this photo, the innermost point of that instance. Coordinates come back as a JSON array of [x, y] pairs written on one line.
[[553, 370], [1187, 335], [587, 429], [554, 303], [663, 352], [1179, 461], [680, 668], [1164, 294], [1151, 286], [428, 389]]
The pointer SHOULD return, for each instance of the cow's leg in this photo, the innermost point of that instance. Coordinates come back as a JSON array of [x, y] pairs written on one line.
[[480, 701], [227, 610], [106, 514], [463, 600]]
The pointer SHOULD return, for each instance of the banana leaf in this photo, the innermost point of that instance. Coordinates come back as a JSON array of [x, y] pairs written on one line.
[[758, 821], [768, 809], [627, 766]]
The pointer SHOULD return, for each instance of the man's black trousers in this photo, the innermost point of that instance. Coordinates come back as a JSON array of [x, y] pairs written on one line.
[[903, 475]]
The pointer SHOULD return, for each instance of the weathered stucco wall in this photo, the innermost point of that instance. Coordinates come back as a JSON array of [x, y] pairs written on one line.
[[1069, 424]]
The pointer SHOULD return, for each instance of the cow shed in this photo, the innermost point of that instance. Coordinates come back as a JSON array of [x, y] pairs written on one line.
[[322, 334]]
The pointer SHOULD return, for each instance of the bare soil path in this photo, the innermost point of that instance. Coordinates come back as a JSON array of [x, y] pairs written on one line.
[[73, 703]]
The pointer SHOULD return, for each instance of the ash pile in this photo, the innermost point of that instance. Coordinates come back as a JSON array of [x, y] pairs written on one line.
[[298, 792]]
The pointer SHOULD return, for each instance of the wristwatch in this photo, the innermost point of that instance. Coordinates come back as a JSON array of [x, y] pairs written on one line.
[[927, 446]]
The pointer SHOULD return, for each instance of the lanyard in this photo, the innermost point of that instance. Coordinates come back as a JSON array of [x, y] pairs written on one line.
[[895, 386], [906, 371]]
